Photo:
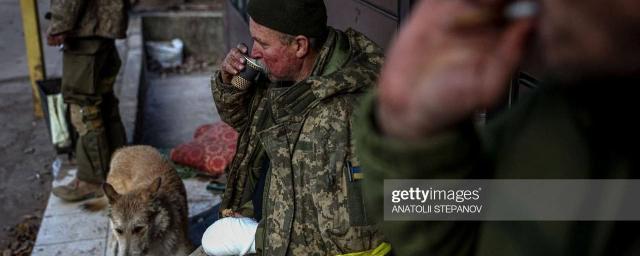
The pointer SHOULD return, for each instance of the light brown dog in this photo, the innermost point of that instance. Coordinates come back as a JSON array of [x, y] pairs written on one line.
[[147, 204]]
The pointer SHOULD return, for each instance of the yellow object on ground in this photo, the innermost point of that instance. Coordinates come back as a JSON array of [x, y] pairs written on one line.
[[31, 28], [381, 250]]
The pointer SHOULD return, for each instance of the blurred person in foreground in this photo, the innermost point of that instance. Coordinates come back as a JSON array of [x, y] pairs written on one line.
[[578, 125], [87, 30]]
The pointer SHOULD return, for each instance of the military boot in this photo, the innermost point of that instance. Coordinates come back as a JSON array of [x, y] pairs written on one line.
[[77, 190]]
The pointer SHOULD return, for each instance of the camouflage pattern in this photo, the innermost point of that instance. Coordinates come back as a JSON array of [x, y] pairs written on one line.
[[311, 206], [82, 18], [563, 131], [90, 67]]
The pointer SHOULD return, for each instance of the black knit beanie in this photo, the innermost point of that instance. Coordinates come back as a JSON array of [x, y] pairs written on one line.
[[293, 17]]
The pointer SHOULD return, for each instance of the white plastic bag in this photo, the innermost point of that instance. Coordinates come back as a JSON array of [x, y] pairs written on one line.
[[167, 53], [230, 236]]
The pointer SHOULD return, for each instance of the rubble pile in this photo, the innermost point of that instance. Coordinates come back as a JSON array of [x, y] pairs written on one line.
[[189, 65]]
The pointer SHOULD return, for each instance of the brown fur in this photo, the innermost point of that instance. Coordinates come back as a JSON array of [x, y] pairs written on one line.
[[147, 204]]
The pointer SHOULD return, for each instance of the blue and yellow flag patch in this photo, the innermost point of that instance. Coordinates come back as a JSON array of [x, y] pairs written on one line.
[[355, 173]]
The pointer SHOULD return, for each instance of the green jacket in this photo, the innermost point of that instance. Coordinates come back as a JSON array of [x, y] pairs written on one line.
[[89, 18], [568, 132], [310, 205]]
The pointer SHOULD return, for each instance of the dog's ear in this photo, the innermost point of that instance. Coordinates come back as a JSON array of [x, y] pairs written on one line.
[[154, 187], [111, 193]]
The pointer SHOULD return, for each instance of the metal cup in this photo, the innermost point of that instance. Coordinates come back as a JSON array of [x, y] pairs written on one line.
[[249, 74]]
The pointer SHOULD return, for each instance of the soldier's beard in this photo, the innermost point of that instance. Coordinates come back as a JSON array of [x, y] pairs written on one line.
[[273, 78], [268, 74]]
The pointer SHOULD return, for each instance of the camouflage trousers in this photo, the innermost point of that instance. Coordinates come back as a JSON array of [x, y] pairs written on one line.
[[90, 67]]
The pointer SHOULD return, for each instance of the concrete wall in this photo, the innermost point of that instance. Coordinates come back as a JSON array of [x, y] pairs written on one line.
[[155, 5], [201, 32]]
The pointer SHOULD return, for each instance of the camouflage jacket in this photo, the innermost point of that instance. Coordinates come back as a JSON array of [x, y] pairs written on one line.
[[82, 18], [312, 201]]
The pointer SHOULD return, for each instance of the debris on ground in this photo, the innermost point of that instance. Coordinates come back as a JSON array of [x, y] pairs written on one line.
[[29, 151], [189, 65], [22, 236]]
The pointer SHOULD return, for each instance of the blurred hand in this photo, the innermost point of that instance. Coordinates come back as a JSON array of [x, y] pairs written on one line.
[[230, 213], [56, 40], [233, 63], [437, 74]]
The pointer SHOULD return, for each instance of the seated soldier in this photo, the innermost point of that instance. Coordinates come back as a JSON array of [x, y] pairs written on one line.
[[295, 171]]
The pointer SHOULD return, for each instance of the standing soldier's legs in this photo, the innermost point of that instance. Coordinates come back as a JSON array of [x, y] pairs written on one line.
[[89, 72], [109, 65], [92, 147], [113, 124]]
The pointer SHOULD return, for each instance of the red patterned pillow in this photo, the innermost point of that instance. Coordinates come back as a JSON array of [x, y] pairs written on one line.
[[211, 149]]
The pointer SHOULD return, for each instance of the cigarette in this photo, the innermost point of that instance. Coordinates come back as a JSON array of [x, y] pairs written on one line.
[[514, 11], [521, 10]]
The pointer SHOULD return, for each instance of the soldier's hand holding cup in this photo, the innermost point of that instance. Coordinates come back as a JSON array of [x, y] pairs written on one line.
[[240, 70], [233, 63]]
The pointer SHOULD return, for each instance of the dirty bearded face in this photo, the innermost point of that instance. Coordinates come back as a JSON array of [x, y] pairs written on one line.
[[135, 218]]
